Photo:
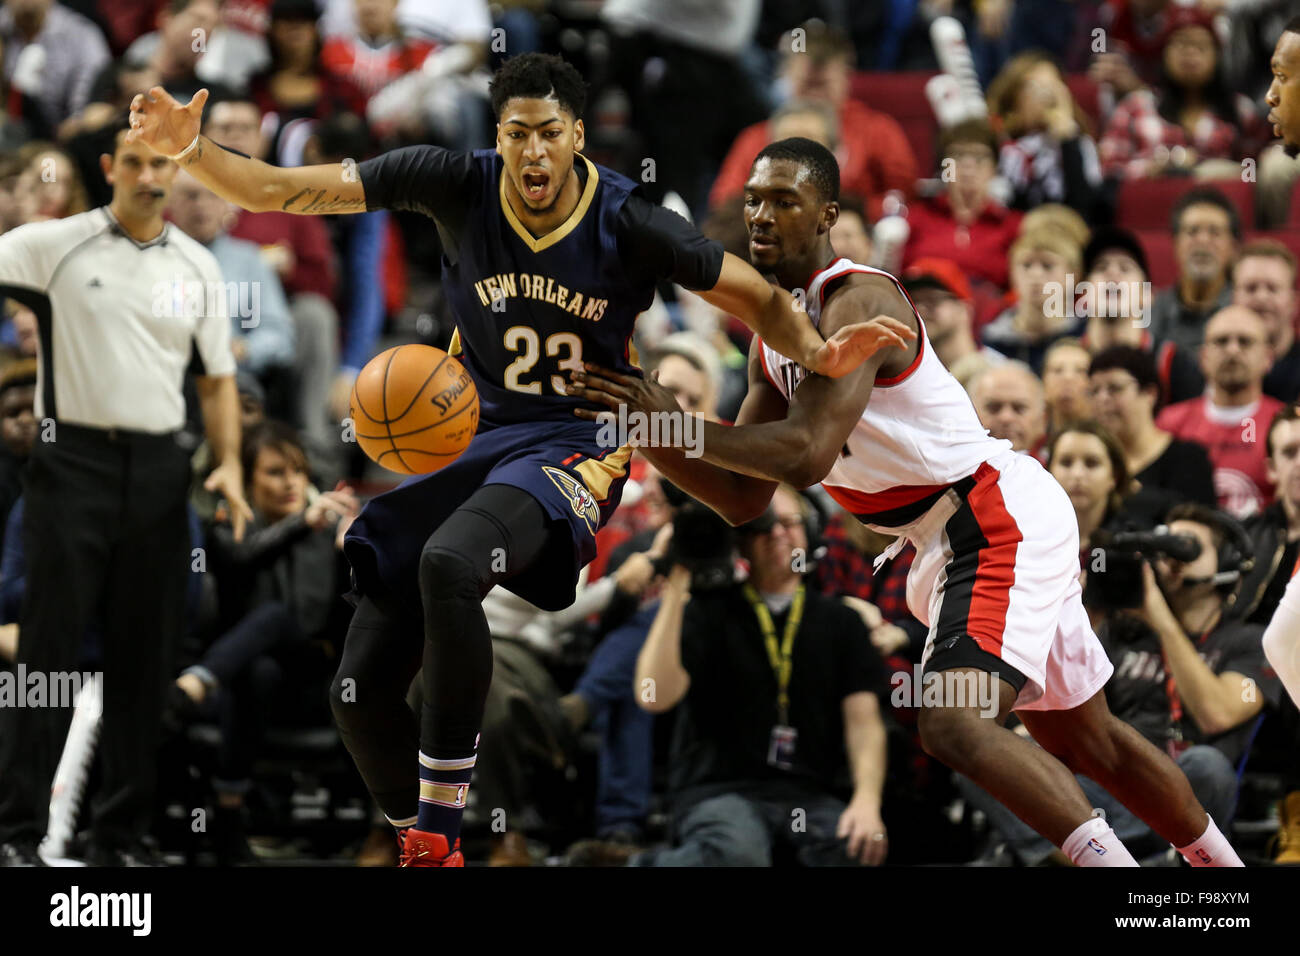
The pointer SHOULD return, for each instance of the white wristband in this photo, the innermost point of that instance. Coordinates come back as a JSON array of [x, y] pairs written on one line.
[[187, 150]]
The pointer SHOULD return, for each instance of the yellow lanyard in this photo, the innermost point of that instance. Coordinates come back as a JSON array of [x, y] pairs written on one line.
[[780, 657]]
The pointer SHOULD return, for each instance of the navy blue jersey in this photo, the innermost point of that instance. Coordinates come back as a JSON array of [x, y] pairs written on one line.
[[528, 310]]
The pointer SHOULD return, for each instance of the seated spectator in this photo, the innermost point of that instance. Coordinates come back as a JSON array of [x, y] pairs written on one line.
[[50, 185], [14, 128], [1055, 216], [1181, 666], [1117, 308], [20, 334], [1010, 403], [757, 737], [1049, 154], [279, 586], [1088, 463], [845, 571], [51, 54], [237, 48], [298, 248], [1065, 383], [1234, 411], [944, 302], [1275, 531], [965, 223], [1206, 231], [1135, 32], [17, 432], [444, 96], [259, 315], [874, 155], [1189, 119], [295, 88], [851, 234], [525, 734], [1042, 264], [1124, 392], [1263, 280], [10, 169], [171, 51], [377, 53]]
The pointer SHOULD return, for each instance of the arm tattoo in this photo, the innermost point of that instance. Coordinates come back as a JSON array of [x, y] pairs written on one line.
[[315, 202], [195, 156]]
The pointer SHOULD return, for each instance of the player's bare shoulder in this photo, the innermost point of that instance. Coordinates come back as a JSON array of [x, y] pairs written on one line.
[[861, 296]]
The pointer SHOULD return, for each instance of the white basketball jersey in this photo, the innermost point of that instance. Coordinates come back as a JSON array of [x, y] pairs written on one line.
[[918, 435]]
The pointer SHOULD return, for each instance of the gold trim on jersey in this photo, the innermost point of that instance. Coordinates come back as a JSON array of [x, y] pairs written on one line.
[[599, 473], [455, 347], [566, 227]]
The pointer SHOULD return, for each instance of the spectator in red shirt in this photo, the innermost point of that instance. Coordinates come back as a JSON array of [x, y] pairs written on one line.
[[965, 223], [1135, 32], [378, 52], [873, 153], [1231, 420], [1190, 117]]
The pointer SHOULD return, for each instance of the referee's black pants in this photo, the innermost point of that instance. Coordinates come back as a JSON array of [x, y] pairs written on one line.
[[106, 541]]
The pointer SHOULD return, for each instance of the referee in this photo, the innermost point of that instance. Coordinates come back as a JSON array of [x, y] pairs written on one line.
[[122, 301]]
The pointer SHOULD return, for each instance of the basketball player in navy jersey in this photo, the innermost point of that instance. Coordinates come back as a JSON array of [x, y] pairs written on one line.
[[898, 444], [548, 259]]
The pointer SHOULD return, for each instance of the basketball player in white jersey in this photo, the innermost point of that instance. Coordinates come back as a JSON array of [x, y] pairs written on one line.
[[899, 445], [1282, 638]]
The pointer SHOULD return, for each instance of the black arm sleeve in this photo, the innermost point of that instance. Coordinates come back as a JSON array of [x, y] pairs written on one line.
[[426, 179], [655, 243], [258, 547]]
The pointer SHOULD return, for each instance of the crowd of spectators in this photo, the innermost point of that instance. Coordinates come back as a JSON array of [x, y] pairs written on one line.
[[1103, 255]]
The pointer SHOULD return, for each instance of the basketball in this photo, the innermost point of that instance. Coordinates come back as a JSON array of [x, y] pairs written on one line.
[[414, 408]]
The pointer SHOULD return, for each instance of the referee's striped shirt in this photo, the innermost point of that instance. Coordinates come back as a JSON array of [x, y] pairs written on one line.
[[120, 321]]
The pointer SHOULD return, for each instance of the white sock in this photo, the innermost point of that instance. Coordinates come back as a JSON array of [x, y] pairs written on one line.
[[1211, 849], [1093, 843]]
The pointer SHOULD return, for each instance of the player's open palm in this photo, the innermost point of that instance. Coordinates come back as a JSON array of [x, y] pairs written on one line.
[[163, 124], [852, 345]]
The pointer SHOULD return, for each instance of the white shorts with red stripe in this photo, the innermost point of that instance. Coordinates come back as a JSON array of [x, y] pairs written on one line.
[[998, 560]]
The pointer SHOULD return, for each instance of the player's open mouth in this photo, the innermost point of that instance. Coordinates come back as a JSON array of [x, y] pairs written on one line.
[[763, 242], [535, 184]]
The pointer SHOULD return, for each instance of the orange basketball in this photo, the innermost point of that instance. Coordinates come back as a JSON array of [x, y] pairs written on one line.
[[414, 409]]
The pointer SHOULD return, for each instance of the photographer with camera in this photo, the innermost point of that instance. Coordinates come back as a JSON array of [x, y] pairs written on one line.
[[1187, 677], [780, 718]]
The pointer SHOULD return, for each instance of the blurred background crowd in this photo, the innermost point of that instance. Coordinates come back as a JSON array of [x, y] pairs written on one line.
[[1082, 200]]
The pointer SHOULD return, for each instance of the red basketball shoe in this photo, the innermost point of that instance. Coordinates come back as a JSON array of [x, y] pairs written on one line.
[[420, 848]]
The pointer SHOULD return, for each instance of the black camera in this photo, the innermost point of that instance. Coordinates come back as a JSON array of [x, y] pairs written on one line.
[[1115, 564], [702, 542]]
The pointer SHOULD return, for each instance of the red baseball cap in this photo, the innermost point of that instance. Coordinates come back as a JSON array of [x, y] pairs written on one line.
[[935, 273]]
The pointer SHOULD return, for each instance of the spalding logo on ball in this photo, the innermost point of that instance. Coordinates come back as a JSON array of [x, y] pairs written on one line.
[[414, 408]]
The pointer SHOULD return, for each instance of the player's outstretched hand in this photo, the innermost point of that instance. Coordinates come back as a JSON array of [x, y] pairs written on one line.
[[606, 387], [163, 124], [854, 344]]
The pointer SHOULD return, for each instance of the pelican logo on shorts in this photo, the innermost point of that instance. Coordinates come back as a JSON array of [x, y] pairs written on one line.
[[1096, 847], [582, 500]]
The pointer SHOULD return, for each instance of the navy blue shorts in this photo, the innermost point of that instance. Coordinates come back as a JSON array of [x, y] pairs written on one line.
[[576, 481]]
